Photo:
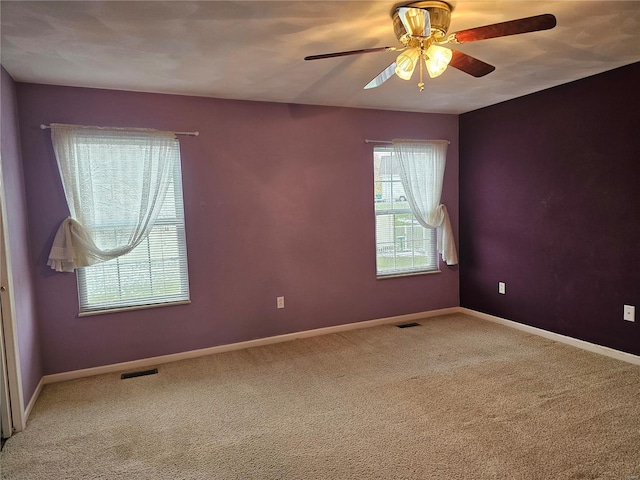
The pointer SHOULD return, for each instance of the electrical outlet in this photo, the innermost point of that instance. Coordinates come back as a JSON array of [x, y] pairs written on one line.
[[502, 288], [280, 302], [630, 313]]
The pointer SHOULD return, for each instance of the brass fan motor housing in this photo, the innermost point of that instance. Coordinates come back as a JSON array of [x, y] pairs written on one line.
[[439, 14]]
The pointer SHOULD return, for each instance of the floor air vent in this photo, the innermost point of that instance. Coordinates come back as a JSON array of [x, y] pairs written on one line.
[[141, 373], [407, 325]]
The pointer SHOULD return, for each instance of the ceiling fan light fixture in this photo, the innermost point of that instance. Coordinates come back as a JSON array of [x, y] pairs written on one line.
[[421, 26], [406, 63], [437, 59]]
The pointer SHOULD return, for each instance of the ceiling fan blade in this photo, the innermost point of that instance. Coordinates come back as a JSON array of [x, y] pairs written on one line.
[[382, 77], [351, 52], [416, 21], [504, 29], [468, 64]]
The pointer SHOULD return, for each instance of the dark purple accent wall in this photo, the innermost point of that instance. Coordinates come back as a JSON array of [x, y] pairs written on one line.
[[24, 309], [550, 204], [278, 201]]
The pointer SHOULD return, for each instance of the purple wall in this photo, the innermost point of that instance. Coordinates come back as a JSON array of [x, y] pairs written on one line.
[[278, 201], [550, 204], [18, 239]]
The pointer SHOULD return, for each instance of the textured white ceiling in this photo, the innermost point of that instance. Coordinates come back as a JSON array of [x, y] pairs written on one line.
[[254, 50]]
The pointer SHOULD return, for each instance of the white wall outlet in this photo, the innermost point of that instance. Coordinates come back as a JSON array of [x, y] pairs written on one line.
[[630, 313], [502, 288], [280, 302]]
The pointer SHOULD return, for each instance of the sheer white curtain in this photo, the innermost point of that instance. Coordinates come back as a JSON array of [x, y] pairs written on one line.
[[421, 165], [115, 181]]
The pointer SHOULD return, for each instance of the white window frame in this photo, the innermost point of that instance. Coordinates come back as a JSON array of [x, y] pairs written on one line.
[[169, 217], [390, 201]]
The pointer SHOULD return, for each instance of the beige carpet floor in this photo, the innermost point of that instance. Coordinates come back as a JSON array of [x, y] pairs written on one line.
[[454, 398]]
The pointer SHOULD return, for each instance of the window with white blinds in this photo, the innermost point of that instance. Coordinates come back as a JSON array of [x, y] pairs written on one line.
[[153, 273], [403, 245]]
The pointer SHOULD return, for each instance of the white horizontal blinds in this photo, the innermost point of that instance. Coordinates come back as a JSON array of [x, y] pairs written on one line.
[[402, 245], [153, 272]]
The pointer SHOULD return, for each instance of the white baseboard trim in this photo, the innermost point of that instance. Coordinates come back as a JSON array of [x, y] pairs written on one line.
[[574, 342], [152, 361]]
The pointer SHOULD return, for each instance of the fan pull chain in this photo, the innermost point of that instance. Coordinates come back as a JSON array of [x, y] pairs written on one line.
[[421, 58]]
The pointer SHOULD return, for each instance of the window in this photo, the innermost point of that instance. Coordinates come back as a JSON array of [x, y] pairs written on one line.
[[154, 272], [125, 235], [403, 246]]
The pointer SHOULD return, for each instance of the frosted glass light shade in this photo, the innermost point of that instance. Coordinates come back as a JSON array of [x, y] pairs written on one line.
[[439, 58], [414, 19], [406, 63]]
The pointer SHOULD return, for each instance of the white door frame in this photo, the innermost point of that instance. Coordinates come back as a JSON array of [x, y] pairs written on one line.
[[15, 408], [5, 414]]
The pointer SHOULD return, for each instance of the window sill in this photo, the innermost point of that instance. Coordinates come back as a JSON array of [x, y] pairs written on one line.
[[129, 309], [408, 274]]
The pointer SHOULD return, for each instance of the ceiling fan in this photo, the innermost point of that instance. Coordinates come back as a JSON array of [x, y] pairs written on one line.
[[421, 28]]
